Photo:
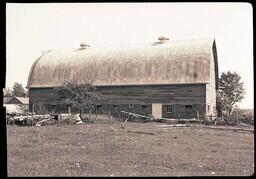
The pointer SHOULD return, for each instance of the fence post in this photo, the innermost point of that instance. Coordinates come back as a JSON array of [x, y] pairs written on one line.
[[178, 117], [33, 109]]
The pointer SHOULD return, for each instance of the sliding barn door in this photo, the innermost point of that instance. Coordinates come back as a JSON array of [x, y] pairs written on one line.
[[157, 110]]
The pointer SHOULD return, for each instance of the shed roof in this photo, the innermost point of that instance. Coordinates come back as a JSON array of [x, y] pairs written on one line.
[[18, 100], [184, 61], [23, 100]]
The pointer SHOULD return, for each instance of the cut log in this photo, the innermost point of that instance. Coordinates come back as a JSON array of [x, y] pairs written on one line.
[[176, 125], [177, 120], [208, 127], [139, 132], [43, 121], [226, 128], [136, 115]]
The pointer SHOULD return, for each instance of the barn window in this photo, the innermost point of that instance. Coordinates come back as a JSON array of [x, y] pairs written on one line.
[[144, 108], [115, 108], [188, 106], [99, 107], [53, 107], [168, 108]]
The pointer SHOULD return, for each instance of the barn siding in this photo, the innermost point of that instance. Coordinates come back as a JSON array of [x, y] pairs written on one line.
[[139, 95], [180, 111]]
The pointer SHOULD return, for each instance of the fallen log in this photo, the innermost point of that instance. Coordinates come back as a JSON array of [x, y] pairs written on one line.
[[227, 128], [139, 132], [208, 127], [41, 116], [167, 120], [136, 115], [43, 121], [176, 125]]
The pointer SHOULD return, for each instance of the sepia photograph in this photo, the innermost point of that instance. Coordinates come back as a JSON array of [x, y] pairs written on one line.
[[129, 89]]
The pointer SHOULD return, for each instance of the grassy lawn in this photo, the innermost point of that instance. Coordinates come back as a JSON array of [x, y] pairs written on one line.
[[109, 150]]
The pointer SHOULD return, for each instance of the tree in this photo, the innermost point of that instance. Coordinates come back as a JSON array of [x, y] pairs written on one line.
[[18, 90], [75, 94], [231, 91], [7, 92]]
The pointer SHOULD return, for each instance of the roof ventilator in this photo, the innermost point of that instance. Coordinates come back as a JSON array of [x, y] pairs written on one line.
[[83, 45], [161, 40]]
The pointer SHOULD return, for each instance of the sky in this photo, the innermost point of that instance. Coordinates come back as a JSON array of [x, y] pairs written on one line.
[[34, 28]]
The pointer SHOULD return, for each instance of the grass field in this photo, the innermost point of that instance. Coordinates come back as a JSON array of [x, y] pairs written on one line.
[[109, 150]]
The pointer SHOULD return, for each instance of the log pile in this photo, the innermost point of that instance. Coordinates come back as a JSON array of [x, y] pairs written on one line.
[[42, 120], [137, 117]]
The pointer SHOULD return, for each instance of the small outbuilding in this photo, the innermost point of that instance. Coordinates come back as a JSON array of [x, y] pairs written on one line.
[[17, 104]]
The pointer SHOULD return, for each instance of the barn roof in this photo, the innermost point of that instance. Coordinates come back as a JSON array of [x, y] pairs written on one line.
[[184, 61]]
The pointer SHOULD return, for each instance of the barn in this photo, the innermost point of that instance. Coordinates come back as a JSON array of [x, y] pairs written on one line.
[[168, 78]]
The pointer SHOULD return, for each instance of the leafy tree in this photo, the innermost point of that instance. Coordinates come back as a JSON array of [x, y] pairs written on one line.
[[18, 90], [79, 95], [231, 91], [7, 92]]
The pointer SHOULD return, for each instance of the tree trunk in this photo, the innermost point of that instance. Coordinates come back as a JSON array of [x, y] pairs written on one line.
[[229, 111]]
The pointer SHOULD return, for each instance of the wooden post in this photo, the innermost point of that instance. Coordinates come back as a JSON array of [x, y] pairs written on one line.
[[179, 117], [33, 109], [69, 112], [89, 114], [197, 112], [110, 117]]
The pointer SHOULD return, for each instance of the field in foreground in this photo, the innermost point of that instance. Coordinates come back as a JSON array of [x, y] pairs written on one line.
[[109, 150]]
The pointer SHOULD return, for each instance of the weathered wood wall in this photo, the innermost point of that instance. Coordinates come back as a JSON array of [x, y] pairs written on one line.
[[116, 98]]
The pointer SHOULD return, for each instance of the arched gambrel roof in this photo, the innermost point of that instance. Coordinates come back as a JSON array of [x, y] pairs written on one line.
[[173, 62]]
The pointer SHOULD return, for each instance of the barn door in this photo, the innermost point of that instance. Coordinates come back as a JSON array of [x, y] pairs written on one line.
[[157, 110]]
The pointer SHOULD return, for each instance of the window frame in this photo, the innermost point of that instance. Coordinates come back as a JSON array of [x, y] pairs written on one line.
[[188, 106], [144, 108], [169, 108], [99, 106], [115, 107]]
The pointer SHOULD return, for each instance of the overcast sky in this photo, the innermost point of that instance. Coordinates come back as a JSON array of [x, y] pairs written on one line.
[[33, 28]]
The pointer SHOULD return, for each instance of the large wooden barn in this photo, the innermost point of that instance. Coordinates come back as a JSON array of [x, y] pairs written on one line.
[[168, 79]]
